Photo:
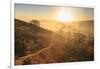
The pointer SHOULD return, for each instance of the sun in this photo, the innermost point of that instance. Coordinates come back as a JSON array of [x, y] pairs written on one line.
[[64, 16]]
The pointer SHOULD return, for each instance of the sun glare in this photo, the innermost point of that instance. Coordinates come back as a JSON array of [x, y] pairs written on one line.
[[64, 16]]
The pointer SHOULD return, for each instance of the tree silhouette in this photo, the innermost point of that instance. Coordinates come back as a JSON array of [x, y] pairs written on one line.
[[35, 22]]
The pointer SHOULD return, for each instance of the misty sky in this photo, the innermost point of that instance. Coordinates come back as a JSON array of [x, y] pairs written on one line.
[[28, 12]]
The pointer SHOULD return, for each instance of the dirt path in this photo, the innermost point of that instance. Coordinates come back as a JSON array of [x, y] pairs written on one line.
[[55, 43]]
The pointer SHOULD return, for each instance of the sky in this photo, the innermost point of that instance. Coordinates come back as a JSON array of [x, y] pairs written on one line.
[[27, 12]]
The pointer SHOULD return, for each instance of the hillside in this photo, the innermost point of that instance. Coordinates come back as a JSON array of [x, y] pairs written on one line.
[[36, 45], [29, 38]]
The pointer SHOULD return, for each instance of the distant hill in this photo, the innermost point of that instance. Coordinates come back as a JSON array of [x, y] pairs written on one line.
[[53, 25], [84, 27]]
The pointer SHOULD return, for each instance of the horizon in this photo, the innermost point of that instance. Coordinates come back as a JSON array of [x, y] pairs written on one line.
[[55, 20]]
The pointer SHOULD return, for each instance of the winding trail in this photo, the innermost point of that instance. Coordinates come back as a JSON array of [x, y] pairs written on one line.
[[55, 45]]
